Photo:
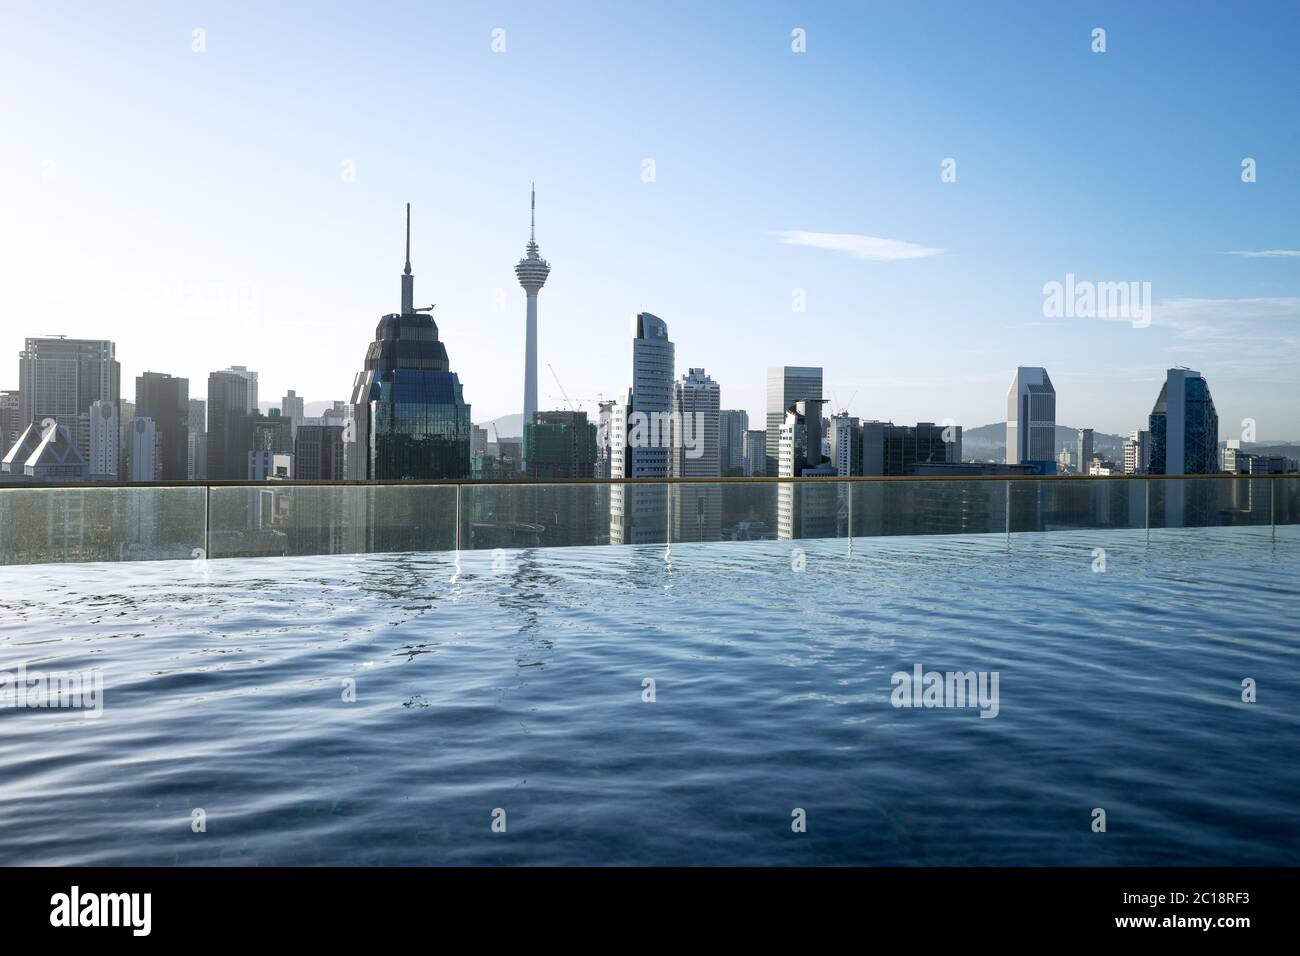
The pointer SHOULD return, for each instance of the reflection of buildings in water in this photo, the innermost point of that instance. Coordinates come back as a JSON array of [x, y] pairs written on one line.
[[697, 512]]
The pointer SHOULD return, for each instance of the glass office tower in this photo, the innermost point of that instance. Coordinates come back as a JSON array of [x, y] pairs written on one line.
[[409, 417]]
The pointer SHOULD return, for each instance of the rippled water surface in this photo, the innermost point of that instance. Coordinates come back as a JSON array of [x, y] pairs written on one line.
[[516, 683]]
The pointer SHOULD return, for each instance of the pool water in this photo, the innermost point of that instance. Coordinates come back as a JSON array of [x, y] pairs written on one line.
[[699, 706]]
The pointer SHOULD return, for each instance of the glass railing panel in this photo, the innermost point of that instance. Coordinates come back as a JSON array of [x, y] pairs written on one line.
[[287, 519], [638, 513], [1286, 500], [40, 525], [1210, 502], [541, 515], [91, 523], [817, 508], [929, 507], [1096, 503], [724, 511]]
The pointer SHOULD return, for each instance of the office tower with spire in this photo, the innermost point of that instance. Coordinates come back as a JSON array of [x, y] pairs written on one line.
[[531, 271], [1031, 419], [408, 416]]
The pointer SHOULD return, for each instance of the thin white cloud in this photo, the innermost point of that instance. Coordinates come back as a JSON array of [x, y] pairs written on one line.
[[1222, 316], [1265, 254], [870, 248]]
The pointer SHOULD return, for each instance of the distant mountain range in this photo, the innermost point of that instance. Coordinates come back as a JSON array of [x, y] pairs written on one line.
[[507, 427], [989, 443]]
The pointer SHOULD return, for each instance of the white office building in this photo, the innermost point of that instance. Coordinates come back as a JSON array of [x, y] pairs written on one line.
[[105, 440], [144, 452], [1137, 452], [1031, 417], [696, 509]]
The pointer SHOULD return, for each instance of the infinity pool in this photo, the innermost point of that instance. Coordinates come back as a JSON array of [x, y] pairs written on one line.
[[513, 688]]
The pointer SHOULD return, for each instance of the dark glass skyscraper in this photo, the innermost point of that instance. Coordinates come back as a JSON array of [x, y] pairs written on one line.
[[408, 416], [230, 436], [166, 399], [1184, 426]]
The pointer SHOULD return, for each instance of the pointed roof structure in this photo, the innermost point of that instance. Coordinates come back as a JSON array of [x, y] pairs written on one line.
[[22, 449]]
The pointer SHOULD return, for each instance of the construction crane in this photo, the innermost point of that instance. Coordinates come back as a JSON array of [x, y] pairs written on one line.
[[561, 384]]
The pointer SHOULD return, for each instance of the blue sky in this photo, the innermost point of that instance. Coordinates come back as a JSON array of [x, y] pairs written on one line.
[[194, 207]]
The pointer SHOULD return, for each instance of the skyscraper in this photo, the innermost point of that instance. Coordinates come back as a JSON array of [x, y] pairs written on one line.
[[61, 378], [531, 271], [805, 510], [846, 444], [1137, 452], [1083, 456], [144, 453], [732, 426], [560, 445], [292, 407], [104, 440], [1031, 418], [755, 452], [889, 449], [642, 435], [318, 452], [696, 508], [250, 377], [695, 418], [166, 400], [786, 385], [11, 423], [196, 464], [1184, 426], [408, 416], [230, 436]]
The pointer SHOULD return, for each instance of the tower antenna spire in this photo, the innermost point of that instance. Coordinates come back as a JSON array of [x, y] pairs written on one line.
[[408, 282], [408, 239], [532, 217]]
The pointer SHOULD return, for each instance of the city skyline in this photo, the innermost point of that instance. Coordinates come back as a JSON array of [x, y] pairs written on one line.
[[193, 244]]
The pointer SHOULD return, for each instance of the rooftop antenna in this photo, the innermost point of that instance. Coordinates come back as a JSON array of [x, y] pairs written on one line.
[[408, 281]]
